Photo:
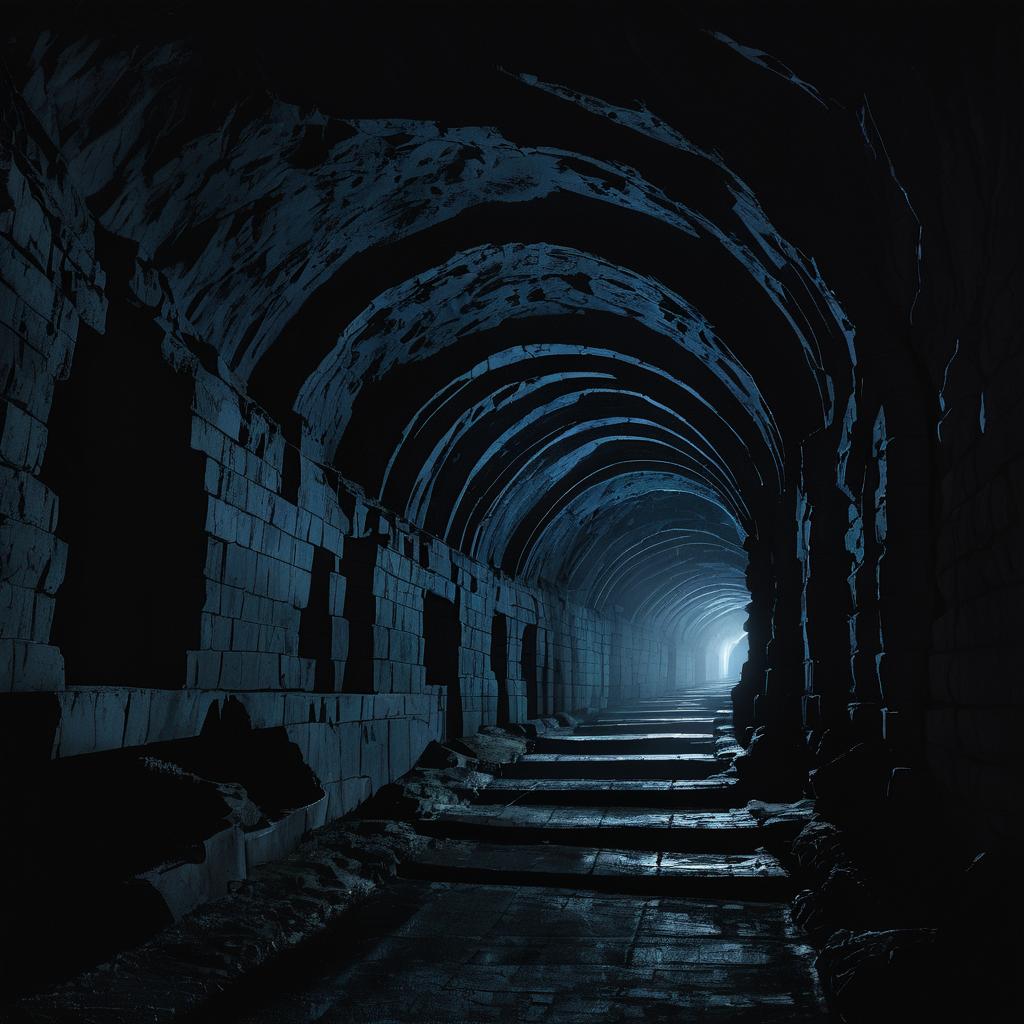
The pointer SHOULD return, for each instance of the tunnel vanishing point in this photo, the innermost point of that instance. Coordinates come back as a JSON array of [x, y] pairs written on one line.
[[511, 512]]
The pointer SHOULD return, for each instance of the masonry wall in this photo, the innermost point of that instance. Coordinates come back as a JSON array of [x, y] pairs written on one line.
[[308, 624], [49, 283]]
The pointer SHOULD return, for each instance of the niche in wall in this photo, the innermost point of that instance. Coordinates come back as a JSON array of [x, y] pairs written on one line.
[[499, 664], [442, 635], [358, 565], [529, 670], [315, 626], [132, 509]]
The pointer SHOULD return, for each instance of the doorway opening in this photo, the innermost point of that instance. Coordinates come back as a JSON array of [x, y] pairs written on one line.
[[442, 637], [529, 670], [132, 505], [499, 664]]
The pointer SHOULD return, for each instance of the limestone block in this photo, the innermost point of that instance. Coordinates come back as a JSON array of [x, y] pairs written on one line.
[[17, 613], [22, 438], [259, 501], [298, 589], [275, 841], [354, 792], [400, 758], [383, 676], [373, 755], [381, 641], [185, 885], [207, 675], [167, 715], [216, 403], [349, 737], [207, 438], [268, 710], [316, 813], [231, 664], [27, 280], [30, 666], [350, 707], [315, 533], [26, 499], [26, 379], [283, 514], [334, 793], [309, 737], [29, 228], [339, 638]]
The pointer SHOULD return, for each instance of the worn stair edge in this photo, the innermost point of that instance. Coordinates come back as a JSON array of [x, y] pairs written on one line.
[[770, 884], [654, 725], [729, 839], [610, 766], [689, 793]]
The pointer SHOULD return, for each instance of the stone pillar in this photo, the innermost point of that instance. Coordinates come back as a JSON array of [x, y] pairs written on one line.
[[826, 601]]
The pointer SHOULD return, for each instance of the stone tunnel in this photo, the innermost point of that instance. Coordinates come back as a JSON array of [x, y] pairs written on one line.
[[511, 512]]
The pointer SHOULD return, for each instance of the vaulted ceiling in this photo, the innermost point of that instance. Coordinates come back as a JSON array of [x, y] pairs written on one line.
[[561, 314]]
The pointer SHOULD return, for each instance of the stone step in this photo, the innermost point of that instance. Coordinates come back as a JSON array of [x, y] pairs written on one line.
[[702, 699], [644, 706], [751, 876], [612, 766], [657, 715], [728, 831], [627, 743], [717, 791], [608, 728]]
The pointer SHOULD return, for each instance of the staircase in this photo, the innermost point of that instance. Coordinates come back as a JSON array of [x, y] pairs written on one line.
[[635, 802], [615, 873]]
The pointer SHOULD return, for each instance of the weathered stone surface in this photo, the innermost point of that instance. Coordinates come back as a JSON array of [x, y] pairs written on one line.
[[193, 962], [425, 791], [490, 746], [628, 391]]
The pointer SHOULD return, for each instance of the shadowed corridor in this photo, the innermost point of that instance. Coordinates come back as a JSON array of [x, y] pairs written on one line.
[[510, 512], [612, 873]]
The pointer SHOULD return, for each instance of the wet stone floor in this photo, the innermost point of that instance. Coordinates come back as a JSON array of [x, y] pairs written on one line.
[[436, 953], [619, 888]]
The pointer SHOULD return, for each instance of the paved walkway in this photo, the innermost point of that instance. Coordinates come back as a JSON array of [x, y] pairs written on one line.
[[608, 876]]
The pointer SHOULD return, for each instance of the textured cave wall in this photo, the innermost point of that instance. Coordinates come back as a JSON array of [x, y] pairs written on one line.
[[937, 496], [907, 507]]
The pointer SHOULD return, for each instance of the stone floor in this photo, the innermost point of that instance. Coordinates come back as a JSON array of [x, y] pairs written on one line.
[[618, 882], [447, 952]]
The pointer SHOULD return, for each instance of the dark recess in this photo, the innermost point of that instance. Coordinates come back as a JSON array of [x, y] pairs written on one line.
[[499, 664], [529, 670], [315, 621], [358, 567], [442, 636], [132, 505]]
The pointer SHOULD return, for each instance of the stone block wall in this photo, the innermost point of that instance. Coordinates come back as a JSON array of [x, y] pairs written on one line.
[[49, 283], [309, 623]]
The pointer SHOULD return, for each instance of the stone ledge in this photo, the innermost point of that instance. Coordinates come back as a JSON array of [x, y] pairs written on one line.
[[97, 718]]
